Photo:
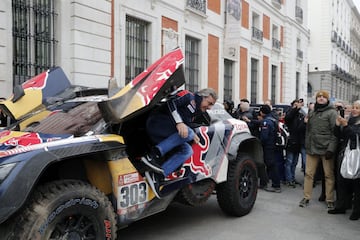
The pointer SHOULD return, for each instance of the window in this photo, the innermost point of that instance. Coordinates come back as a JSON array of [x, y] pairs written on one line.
[[137, 47], [33, 38], [273, 83], [309, 89], [297, 85], [276, 44], [257, 34], [254, 79], [299, 52], [192, 64], [228, 79]]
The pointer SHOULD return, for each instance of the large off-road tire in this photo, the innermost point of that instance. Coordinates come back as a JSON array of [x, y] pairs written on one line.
[[236, 196], [196, 194], [67, 209]]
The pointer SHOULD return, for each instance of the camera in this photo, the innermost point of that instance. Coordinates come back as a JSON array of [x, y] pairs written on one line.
[[341, 110]]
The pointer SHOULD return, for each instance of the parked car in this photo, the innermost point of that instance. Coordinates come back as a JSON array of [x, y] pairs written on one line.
[[280, 108], [70, 160]]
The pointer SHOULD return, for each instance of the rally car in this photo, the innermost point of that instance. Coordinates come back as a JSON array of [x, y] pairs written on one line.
[[70, 157]]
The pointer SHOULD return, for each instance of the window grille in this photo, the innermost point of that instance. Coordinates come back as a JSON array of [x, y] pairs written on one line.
[[254, 80], [228, 79], [34, 41], [273, 82], [192, 64], [297, 85], [137, 47]]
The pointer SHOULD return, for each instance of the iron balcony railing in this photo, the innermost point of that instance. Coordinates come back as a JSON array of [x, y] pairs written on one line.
[[276, 44], [197, 5], [257, 34]]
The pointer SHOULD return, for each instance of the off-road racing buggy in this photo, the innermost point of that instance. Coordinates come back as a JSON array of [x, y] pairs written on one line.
[[70, 160]]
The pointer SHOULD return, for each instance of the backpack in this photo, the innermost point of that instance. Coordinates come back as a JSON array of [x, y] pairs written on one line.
[[282, 133]]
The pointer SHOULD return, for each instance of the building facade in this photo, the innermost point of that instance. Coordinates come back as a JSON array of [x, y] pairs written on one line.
[[243, 49], [334, 53]]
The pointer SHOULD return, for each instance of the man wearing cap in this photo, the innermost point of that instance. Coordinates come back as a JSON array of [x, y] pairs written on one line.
[[320, 144], [267, 138]]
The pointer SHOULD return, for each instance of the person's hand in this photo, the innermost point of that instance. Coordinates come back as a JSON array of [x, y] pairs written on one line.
[[340, 121], [245, 118], [182, 130], [328, 155], [306, 119]]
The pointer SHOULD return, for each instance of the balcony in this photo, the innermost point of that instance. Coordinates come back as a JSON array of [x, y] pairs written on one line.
[[276, 44], [299, 14], [257, 34], [299, 54], [198, 6], [276, 3]]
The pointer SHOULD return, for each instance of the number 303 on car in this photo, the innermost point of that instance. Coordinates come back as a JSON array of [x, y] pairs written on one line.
[[132, 194]]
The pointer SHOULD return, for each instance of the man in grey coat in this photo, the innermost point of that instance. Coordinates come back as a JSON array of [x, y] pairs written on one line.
[[320, 144]]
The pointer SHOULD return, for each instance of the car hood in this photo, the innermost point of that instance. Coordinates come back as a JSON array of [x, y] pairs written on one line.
[[146, 90]]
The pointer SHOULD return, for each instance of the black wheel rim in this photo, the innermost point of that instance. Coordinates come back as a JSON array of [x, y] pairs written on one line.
[[245, 183], [75, 227]]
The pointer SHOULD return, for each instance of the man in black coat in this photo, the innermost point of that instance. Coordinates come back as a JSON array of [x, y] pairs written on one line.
[[294, 120]]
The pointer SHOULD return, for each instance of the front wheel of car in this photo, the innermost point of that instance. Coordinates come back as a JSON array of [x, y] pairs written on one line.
[[236, 196], [67, 209]]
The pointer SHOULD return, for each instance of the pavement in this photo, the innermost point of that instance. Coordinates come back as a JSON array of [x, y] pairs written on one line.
[[289, 221], [275, 216]]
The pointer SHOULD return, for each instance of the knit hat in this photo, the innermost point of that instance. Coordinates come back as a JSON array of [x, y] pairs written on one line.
[[323, 93], [265, 109]]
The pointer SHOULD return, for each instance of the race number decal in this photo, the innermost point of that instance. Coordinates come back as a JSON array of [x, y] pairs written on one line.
[[131, 191], [132, 194]]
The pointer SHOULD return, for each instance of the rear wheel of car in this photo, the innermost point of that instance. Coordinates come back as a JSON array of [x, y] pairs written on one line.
[[196, 194], [66, 209], [236, 196]]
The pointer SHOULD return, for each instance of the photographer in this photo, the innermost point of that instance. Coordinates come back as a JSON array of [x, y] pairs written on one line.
[[348, 189]]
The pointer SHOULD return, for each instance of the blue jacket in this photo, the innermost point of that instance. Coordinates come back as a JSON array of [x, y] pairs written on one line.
[[267, 132], [182, 107]]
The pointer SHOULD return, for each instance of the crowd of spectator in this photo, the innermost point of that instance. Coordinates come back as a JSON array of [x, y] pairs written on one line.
[[318, 134]]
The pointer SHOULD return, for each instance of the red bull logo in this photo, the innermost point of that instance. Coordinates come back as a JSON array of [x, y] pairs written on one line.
[[24, 143], [160, 71], [149, 91], [38, 82], [27, 139], [24, 140], [195, 162]]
